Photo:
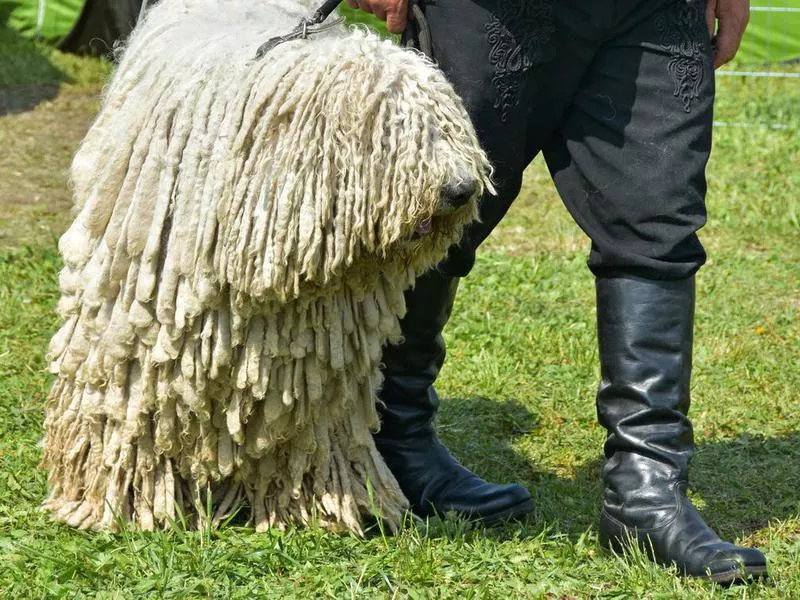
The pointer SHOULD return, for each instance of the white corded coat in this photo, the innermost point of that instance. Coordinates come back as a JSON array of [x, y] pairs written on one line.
[[244, 234]]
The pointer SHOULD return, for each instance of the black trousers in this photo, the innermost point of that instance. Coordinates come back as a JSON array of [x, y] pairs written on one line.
[[617, 94]]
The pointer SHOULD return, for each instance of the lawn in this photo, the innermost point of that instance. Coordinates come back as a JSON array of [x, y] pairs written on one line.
[[517, 388]]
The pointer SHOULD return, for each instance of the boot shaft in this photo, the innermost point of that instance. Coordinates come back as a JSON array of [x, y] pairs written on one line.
[[408, 401], [411, 367], [645, 341], [645, 336]]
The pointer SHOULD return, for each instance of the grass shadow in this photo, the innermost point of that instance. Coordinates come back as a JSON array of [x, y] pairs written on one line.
[[739, 485], [481, 433], [746, 482], [27, 75]]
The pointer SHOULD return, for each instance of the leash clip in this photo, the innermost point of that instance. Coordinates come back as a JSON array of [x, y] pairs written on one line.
[[303, 29]]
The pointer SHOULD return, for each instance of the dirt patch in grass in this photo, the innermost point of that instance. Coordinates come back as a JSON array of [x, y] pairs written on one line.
[[38, 144]]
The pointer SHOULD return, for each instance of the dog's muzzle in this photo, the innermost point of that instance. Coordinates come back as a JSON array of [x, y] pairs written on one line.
[[454, 196]]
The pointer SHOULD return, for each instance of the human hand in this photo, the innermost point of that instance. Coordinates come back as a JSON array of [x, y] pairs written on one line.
[[730, 18], [394, 12]]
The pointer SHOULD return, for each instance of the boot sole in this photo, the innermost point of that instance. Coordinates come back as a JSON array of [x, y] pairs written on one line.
[[736, 575], [514, 512], [740, 575]]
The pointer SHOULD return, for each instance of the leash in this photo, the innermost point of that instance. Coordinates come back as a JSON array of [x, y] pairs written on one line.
[[417, 34]]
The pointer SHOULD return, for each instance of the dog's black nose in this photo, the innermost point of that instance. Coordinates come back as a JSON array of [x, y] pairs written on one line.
[[458, 194]]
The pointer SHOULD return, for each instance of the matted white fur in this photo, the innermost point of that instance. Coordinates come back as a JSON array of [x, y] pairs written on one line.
[[244, 235]]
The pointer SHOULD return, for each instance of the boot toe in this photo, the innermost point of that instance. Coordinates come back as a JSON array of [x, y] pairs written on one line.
[[491, 503], [516, 502], [736, 564]]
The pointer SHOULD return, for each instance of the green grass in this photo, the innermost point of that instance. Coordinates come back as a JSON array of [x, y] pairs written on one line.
[[518, 401], [27, 62]]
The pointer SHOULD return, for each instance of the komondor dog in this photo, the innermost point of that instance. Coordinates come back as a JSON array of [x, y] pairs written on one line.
[[245, 231]]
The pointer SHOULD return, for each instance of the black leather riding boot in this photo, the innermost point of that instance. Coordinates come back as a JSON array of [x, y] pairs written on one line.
[[645, 337], [432, 480]]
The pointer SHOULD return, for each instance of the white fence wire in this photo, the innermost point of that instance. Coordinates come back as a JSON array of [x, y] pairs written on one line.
[[770, 74]]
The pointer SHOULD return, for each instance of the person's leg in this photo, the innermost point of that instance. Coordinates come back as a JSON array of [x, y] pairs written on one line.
[[496, 55], [629, 162]]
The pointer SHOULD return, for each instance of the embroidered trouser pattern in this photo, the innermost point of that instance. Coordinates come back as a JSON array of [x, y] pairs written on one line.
[[618, 95]]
